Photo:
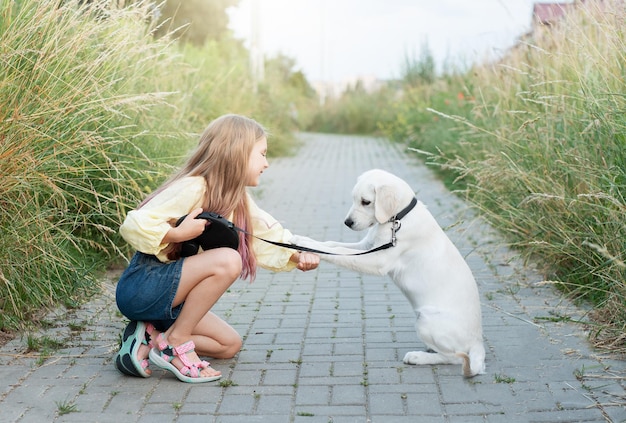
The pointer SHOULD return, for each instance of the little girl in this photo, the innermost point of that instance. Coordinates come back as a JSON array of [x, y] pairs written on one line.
[[168, 298]]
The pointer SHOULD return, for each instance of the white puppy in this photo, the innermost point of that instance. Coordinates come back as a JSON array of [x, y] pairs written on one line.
[[424, 264]]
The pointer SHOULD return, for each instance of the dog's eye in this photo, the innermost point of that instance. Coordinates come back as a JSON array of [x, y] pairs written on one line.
[[365, 202]]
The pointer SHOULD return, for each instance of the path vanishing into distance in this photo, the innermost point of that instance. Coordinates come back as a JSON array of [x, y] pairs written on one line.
[[327, 345]]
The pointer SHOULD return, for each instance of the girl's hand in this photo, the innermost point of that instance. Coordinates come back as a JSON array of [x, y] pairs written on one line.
[[307, 261], [189, 228]]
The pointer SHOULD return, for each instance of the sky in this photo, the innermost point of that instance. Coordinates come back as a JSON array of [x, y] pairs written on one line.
[[336, 40]]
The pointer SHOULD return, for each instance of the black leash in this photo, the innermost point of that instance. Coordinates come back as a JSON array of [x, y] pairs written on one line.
[[395, 227]]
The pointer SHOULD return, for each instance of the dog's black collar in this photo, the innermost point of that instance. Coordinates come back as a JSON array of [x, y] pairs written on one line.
[[395, 221], [404, 211]]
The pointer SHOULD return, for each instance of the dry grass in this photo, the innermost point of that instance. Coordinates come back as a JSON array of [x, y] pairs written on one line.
[[538, 143]]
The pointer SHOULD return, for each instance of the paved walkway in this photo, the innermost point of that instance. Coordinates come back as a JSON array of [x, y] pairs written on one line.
[[326, 346]]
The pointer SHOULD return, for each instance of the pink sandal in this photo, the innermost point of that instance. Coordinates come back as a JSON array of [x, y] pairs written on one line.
[[163, 355]]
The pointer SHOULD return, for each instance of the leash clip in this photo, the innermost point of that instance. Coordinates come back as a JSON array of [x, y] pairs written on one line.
[[395, 227]]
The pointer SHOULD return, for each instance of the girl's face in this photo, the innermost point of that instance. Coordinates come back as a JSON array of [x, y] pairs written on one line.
[[257, 163]]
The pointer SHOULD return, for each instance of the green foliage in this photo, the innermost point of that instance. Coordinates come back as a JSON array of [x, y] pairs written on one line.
[[194, 21], [287, 107], [538, 141], [356, 111], [221, 84]]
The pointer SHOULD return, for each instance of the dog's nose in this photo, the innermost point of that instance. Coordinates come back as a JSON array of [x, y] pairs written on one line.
[[348, 222]]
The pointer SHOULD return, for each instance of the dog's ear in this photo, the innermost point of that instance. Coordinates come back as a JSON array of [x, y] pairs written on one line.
[[386, 203]]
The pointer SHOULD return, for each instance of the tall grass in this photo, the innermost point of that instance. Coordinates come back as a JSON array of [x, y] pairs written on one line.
[[75, 90], [93, 113], [538, 141]]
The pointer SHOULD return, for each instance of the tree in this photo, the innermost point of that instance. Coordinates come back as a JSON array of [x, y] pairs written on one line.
[[194, 21], [283, 67]]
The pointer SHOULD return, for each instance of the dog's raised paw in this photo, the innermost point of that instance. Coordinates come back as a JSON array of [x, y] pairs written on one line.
[[296, 240], [302, 241]]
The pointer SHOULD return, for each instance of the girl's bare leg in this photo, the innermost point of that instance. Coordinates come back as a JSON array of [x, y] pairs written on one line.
[[216, 338], [205, 277]]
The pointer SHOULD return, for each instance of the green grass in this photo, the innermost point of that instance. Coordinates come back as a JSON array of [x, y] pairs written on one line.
[[44, 346], [500, 378], [66, 407], [226, 383], [41, 344]]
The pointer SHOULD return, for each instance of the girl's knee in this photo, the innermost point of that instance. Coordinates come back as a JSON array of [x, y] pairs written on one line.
[[227, 346], [231, 264], [223, 262], [233, 347]]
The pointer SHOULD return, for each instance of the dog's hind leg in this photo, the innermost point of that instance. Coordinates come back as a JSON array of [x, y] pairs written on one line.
[[477, 359], [423, 357], [473, 363]]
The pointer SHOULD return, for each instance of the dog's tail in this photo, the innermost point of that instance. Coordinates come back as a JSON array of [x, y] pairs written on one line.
[[474, 362]]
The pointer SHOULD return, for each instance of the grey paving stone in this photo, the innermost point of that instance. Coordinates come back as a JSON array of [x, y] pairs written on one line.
[[327, 346]]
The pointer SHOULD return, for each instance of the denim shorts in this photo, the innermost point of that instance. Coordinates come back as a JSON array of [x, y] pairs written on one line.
[[147, 288]]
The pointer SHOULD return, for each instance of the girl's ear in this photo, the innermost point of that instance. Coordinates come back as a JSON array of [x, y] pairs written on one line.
[[386, 203]]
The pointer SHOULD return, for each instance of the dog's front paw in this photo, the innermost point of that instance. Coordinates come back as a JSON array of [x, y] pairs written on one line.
[[294, 239], [302, 241]]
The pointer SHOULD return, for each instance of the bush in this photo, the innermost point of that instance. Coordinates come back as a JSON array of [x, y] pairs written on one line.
[[355, 111]]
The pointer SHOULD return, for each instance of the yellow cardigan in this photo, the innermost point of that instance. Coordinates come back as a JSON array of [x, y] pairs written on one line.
[[145, 228]]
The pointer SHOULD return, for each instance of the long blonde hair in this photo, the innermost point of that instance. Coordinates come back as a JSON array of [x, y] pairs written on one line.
[[221, 158]]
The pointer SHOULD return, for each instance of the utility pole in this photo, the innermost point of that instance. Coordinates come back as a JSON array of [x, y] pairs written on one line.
[[323, 92], [257, 62]]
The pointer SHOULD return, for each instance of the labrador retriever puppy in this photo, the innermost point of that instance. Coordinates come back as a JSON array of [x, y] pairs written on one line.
[[423, 263]]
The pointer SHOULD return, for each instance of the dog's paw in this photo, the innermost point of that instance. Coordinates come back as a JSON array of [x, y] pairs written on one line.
[[416, 357], [428, 357], [302, 241], [295, 239]]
